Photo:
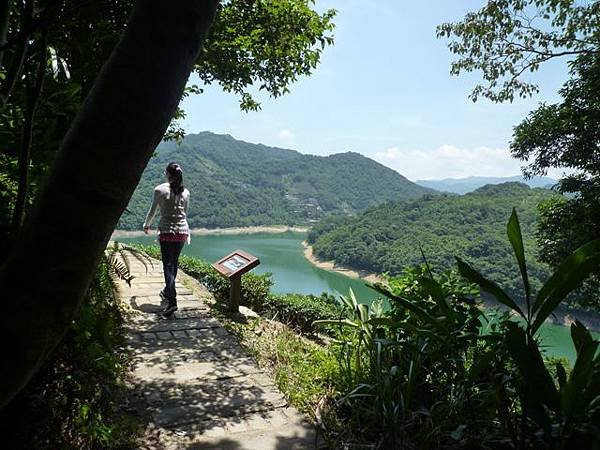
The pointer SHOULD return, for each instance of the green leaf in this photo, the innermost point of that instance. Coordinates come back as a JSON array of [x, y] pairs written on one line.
[[343, 322], [581, 336], [458, 432], [417, 310], [513, 230], [487, 285], [561, 375], [569, 275], [573, 396], [539, 387], [480, 364], [434, 289]]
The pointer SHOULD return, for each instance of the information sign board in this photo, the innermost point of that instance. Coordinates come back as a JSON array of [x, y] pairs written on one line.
[[232, 267], [236, 263]]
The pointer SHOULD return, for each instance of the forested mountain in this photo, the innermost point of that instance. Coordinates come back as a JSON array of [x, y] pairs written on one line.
[[386, 238], [235, 183], [469, 184]]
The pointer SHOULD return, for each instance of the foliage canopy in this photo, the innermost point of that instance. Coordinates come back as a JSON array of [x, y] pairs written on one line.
[[506, 39]]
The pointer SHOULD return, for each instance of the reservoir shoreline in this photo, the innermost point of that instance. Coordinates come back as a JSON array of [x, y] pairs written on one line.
[[563, 315], [333, 267], [217, 231]]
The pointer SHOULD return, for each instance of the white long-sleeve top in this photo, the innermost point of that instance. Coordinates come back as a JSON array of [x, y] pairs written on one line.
[[173, 210]]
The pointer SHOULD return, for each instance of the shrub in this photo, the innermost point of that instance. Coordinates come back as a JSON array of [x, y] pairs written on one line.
[[70, 403], [300, 310]]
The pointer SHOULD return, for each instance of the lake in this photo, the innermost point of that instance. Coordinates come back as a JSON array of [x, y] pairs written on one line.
[[282, 255]]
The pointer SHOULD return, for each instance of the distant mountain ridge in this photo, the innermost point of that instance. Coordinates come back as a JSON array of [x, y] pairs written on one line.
[[469, 184], [235, 183]]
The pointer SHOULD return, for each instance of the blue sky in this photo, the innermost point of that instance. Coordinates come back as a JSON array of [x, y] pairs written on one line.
[[384, 90]]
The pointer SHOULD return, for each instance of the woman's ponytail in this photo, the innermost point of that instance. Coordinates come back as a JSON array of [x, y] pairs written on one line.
[[175, 178]]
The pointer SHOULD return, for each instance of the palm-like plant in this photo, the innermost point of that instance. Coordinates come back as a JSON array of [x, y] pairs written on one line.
[[117, 257], [565, 410]]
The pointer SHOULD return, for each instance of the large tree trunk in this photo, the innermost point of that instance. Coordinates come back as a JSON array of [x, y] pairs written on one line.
[[95, 172]]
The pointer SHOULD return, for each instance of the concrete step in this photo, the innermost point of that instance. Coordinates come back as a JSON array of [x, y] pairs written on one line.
[[150, 273], [154, 286], [196, 400], [154, 323], [134, 291], [207, 367], [183, 307], [182, 346], [157, 301], [282, 428]]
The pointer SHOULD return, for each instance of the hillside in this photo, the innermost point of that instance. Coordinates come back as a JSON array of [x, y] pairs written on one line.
[[386, 238], [235, 183], [469, 184]]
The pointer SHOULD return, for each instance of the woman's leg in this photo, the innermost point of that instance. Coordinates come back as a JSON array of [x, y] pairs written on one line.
[[178, 246], [168, 254]]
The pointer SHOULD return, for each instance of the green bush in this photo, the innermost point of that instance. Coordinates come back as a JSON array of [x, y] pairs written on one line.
[[70, 403], [301, 311]]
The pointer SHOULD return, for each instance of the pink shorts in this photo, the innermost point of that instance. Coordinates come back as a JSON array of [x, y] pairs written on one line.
[[172, 237]]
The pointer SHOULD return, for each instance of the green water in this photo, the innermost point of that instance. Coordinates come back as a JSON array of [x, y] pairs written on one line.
[[279, 253], [282, 255]]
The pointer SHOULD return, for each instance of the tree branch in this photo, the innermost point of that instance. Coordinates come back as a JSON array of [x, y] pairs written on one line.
[[33, 98], [4, 16], [18, 58]]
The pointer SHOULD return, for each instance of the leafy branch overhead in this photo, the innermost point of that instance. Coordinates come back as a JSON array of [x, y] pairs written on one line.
[[506, 39], [260, 45], [265, 44]]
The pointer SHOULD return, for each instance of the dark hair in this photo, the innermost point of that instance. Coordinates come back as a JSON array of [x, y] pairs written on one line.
[[175, 178]]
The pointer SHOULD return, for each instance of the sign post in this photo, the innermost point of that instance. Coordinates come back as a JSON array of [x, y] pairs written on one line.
[[232, 267]]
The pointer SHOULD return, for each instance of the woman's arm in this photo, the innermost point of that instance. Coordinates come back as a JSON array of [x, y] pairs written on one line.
[[152, 211]]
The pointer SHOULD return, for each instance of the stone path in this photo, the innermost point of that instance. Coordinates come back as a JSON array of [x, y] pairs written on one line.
[[201, 390]]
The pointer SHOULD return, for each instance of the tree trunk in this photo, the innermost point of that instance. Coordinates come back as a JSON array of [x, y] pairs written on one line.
[[96, 170]]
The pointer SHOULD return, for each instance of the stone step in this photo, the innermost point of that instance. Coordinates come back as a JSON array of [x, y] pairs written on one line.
[[151, 273], [198, 345], [154, 300], [146, 292], [203, 400], [208, 369], [282, 428], [155, 286], [183, 306], [154, 323], [148, 281]]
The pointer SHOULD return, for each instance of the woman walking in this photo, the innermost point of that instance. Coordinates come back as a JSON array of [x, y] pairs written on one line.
[[172, 199]]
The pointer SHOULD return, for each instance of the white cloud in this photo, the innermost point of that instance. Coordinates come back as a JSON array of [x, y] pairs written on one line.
[[449, 161], [286, 136]]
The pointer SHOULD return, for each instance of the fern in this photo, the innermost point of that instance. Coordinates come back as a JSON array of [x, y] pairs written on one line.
[[117, 257]]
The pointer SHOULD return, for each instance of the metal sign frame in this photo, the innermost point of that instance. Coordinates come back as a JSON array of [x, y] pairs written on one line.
[[232, 267]]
